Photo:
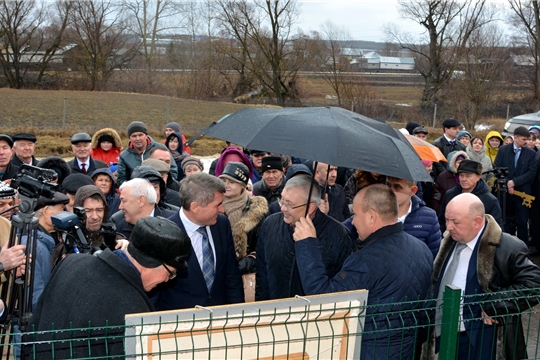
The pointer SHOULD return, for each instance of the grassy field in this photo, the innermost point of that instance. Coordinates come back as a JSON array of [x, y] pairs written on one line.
[[56, 115]]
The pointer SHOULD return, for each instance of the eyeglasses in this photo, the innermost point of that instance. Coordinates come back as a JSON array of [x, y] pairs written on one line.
[[172, 275], [289, 207]]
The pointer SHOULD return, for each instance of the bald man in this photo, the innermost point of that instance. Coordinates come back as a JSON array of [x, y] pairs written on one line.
[[384, 266], [488, 261]]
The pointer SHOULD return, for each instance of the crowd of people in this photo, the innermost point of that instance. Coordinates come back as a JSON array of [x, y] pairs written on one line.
[[184, 237]]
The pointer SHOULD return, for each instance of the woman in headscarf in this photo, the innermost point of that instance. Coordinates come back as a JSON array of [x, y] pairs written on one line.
[[245, 212], [448, 178], [477, 152], [493, 142], [106, 146], [176, 147]]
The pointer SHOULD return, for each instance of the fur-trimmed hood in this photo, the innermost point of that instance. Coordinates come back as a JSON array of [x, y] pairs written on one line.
[[254, 216], [107, 131], [452, 157]]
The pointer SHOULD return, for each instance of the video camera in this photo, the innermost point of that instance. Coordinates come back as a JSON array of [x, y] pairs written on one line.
[[32, 182], [74, 233]]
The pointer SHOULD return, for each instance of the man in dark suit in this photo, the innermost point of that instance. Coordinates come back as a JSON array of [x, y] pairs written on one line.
[[480, 259], [213, 275], [521, 165], [83, 162], [447, 142]]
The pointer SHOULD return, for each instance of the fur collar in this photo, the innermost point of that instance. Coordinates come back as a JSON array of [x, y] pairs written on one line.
[[256, 213], [489, 242]]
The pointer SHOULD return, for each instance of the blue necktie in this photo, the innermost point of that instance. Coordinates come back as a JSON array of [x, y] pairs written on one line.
[[516, 157], [453, 143], [208, 258]]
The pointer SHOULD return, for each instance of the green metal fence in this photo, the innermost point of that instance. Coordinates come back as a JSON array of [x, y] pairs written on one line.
[[339, 332]]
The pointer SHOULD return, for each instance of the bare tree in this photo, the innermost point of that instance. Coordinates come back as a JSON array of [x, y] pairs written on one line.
[[263, 31], [151, 19], [102, 40], [477, 79], [526, 20], [448, 25], [331, 61]]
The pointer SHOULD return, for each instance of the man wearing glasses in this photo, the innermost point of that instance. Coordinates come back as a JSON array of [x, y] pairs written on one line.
[[99, 290], [277, 270]]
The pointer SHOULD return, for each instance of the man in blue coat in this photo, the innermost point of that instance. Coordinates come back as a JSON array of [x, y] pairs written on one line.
[[521, 164], [213, 275], [393, 265]]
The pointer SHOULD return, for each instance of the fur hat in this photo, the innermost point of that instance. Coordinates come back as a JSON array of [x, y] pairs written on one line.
[[411, 125], [156, 241], [137, 126], [58, 165], [271, 163], [236, 171]]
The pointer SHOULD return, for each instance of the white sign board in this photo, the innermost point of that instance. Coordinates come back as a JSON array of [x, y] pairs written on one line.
[[321, 326]]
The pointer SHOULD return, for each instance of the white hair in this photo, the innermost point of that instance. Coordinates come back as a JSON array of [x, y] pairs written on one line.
[[141, 187]]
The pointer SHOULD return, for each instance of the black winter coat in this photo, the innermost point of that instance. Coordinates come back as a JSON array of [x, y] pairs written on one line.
[[491, 204], [260, 189], [125, 228], [446, 148], [10, 172], [277, 273], [73, 298]]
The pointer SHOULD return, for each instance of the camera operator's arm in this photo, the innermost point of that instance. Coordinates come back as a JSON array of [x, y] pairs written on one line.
[[12, 257]]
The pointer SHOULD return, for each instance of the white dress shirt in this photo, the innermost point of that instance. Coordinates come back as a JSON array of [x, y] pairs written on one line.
[[196, 238], [460, 277]]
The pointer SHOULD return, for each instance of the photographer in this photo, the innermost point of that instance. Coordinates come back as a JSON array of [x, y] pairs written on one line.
[[94, 203]]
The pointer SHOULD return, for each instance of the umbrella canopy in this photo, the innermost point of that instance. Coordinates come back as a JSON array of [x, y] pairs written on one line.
[[425, 150], [326, 134]]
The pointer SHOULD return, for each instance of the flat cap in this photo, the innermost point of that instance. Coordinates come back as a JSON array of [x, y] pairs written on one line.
[[25, 136], [470, 167], [81, 137], [58, 198], [161, 166], [420, 130], [7, 139], [450, 122]]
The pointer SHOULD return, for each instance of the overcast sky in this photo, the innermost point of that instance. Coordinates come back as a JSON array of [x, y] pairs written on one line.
[[363, 19]]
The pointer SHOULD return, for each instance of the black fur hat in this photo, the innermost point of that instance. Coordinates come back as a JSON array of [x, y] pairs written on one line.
[[156, 241], [56, 163]]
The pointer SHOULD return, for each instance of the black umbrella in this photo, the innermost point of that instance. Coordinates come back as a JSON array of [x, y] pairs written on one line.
[[326, 134]]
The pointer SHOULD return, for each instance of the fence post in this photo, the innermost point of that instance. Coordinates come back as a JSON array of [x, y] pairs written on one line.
[[450, 322], [64, 115], [168, 109], [434, 115], [507, 111]]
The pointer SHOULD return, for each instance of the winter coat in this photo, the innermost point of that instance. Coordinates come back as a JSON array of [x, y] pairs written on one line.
[[491, 152], [42, 259], [446, 148], [129, 159], [18, 162], [111, 156], [125, 228], [93, 165], [245, 232], [385, 268], [339, 208], [491, 204], [113, 199], [421, 223], [483, 159], [10, 172], [82, 288], [260, 189], [502, 265], [168, 199], [446, 180], [277, 273]]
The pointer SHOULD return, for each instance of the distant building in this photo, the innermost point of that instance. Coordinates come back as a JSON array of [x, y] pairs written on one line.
[[375, 62]]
